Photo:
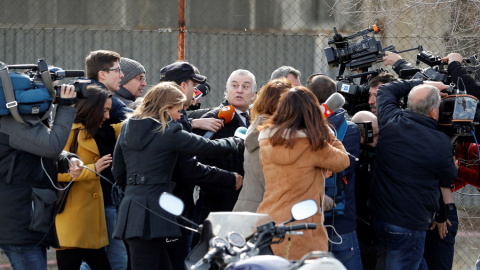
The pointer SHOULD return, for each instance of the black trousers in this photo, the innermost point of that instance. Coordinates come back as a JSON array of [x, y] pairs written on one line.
[[149, 254], [71, 259]]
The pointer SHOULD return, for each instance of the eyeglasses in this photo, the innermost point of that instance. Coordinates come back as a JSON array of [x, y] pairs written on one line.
[[113, 69], [141, 78]]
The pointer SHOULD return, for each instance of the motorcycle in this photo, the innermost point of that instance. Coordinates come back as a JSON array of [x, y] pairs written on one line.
[[241, 240]]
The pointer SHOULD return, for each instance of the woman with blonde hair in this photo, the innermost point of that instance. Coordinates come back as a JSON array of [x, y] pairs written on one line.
[[296, 147], [143, 161], [264, 106]]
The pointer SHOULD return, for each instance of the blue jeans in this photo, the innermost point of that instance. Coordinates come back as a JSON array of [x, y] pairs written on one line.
[[348, 252], [116, 251], [26, 257], [404, 246]]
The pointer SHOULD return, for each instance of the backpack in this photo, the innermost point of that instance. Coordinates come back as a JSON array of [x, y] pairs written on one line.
[[21, 95], [334, 187]]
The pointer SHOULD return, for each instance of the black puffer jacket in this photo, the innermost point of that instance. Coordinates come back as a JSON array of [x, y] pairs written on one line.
[[27, 197]]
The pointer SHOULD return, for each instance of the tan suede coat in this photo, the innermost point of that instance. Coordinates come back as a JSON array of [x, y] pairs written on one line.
[[293, 175]]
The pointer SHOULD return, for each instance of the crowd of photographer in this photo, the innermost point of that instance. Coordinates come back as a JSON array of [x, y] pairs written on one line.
[[384, 187]]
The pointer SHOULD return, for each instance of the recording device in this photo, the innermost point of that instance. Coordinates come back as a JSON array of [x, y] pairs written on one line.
[[332, 104], [457, 112], [201, 90], [367, 126], [354, 56], [241, 133], [356, 95], [226, 114], [80, 87], [437, 70], [204, 88], [34, 71]]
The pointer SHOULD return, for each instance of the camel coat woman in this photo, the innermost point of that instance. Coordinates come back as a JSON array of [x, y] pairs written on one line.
[[293, 175]]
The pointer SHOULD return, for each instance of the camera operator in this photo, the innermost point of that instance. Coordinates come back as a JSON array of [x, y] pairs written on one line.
[[396, 61], [406, 190], [373, 84], [456, 71], [31, 155], [372, 250], [343, 245]]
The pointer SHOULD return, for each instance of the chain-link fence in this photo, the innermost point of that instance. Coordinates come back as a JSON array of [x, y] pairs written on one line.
[[224, 35]]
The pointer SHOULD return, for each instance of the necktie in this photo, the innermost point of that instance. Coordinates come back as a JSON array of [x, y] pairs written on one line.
[[247, 118]]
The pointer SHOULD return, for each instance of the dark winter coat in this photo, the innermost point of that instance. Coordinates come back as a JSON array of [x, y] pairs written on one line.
[[346, 223], [119, 109], [197, 174], [124, 96], [27, 198], [218, 198], [413, 160], [144, 160]]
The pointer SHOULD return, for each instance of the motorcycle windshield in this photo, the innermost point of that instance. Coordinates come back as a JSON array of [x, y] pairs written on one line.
[[244, 223]]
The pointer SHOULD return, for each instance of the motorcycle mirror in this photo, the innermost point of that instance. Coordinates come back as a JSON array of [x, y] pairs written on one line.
[[304, 209], [171, 204]]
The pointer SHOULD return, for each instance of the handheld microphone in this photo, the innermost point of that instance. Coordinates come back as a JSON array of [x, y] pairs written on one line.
[[204, 88], [241, 133], [226, 114], [333, 103]]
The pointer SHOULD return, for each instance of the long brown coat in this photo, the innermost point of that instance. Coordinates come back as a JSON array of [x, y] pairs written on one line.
[[293, 175]]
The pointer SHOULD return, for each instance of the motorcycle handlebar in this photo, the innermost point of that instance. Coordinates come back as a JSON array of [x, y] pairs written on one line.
[[303, 226]]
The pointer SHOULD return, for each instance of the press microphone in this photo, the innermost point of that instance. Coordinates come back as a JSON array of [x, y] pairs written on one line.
[[332, 104], [241, 133], [226, 114]]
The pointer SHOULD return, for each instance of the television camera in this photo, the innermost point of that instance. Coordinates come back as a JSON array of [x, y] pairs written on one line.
[[37, 73], [356, 56]]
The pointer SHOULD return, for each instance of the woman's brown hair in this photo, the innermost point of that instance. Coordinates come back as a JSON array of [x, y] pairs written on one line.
[[90, 110], [268, 97], [298, 110]]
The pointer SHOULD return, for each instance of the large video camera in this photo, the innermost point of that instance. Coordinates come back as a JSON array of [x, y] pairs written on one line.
[[356, 95], [31, 91], [354, 56], [35, 71]]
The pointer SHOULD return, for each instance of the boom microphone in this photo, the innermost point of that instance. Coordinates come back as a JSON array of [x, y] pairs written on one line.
[[226, 114], [332, 104]]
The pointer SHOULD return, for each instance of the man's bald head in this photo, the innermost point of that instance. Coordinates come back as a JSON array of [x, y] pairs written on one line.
[[366, 116], [423, 98]]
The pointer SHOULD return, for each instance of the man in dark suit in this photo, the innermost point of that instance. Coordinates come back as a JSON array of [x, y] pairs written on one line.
[[240, 91], [183, 73]]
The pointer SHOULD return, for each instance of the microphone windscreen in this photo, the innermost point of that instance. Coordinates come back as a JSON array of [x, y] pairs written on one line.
[[241, 133], [226, 113], [204, 88], [335, 102]]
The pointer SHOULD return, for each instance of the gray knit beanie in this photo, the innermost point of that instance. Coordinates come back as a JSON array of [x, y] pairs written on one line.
[[130, 69]]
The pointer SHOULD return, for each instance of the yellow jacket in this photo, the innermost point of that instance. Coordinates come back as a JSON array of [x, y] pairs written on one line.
[[82, 224]]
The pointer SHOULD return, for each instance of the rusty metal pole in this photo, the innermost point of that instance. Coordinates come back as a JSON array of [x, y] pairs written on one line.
[[181, 33]]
